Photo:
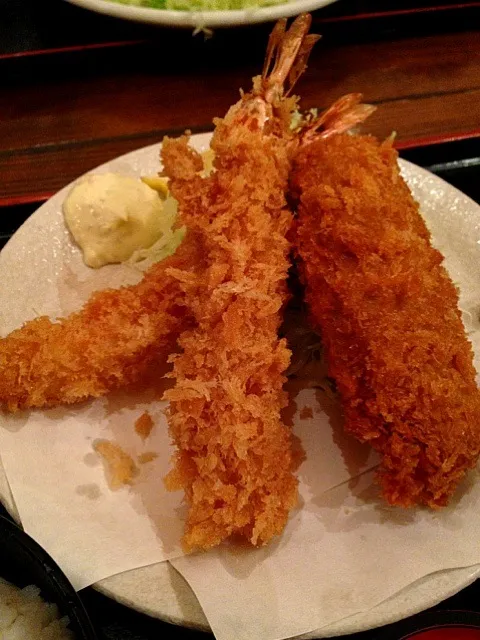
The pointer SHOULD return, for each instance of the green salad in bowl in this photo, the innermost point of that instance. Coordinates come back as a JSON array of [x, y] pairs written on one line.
[[201, 15], [200, 5]]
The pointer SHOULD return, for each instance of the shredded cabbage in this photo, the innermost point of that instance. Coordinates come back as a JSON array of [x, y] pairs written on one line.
[[167, 244], [200, 5]]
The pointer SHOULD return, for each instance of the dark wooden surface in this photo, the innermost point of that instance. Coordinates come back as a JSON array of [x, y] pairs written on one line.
[[61, 115], [81, 90]]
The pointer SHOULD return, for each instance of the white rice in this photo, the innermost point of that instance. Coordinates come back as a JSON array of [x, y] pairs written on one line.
[[24, 615]]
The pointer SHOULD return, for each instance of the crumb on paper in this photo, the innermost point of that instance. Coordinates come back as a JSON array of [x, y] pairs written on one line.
[[306, 413], [146, 457], [119, 465], [144, 425]]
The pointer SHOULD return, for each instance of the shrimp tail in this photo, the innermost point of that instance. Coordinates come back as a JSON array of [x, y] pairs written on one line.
[[300, 65], [344, 114], [287, 55]]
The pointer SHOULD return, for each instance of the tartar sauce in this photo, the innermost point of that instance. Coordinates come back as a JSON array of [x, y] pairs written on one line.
[[111, 216]]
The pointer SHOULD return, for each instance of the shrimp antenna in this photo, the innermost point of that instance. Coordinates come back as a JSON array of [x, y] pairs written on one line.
[[345, 113]]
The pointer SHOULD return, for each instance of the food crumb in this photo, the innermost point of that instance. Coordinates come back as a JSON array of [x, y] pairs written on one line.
[[120, 467], [144, 425], [148, 456], [306, 413]]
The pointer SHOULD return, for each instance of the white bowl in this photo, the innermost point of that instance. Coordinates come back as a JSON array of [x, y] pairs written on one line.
[[194, 19]]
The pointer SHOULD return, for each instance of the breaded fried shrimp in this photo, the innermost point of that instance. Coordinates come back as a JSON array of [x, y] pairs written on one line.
[[234, 458], [388, 315], [107, 345]]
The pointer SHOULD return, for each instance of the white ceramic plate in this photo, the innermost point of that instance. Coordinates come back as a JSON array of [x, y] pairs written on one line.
[[158, 590], [194, 19]]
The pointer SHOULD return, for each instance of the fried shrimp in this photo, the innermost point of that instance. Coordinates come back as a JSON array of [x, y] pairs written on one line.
[[107, 345], [234, 458], [388, 315]]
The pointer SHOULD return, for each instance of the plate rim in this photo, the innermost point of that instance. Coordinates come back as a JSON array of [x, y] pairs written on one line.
[[344, 626], [195, 19]]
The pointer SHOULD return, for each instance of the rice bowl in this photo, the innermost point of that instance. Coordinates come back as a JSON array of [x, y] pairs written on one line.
[[36, 599], [24, 614]]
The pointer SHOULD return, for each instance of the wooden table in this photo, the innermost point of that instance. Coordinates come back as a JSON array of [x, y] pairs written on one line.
[[74, 97], [63, 113]]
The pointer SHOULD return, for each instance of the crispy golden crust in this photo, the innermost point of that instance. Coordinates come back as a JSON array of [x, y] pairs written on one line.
[[107, 345], [388, 314], [119, 465], [234, 458], [144, 425]]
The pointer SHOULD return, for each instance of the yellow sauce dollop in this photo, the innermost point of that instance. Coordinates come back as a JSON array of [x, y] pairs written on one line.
[[111, 216]]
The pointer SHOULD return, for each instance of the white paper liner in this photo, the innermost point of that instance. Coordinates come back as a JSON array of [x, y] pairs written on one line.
[[342, 551]]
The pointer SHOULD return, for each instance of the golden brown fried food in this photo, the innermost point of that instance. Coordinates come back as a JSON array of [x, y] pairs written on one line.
[[388, 315], [120, 467], [235, 460], [107, 345]]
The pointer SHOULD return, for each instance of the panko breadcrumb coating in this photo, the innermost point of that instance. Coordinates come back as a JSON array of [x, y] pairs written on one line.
[[108, 345], [144, 425], [234, 459], [147, 456], [389, 318]]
